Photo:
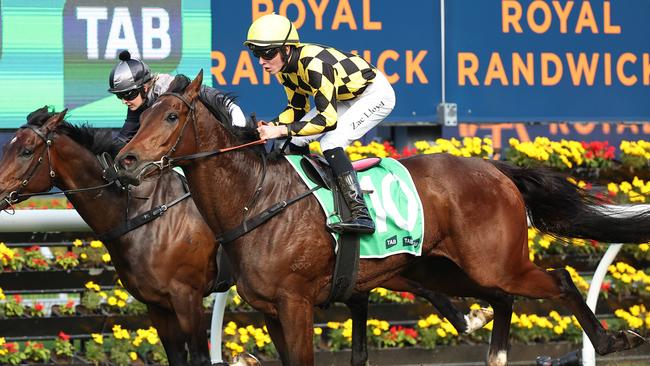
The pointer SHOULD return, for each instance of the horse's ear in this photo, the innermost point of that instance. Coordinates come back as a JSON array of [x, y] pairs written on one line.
[[192, 90], [54, 121]]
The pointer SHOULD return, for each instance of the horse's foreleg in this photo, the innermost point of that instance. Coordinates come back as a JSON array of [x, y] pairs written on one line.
[[358, 305], [296, 317], [170, 334], [275, 332], [188, 304], [498, 353]]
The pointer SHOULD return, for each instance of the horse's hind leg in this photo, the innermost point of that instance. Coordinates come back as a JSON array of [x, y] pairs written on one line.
[[358, 305], [557, 284], [462, 322], [170, 334], [498, 352]]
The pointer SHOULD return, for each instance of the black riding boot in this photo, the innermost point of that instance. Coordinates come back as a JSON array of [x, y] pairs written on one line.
[[346, 178]]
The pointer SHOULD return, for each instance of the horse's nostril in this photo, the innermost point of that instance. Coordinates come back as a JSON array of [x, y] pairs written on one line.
[[128, 160]]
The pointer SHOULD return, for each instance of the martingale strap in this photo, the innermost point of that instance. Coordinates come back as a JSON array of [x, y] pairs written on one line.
[[140, 220], [257, 220]]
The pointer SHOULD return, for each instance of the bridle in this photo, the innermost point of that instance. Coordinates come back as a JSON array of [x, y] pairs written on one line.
[[167, 161], [16, 196], [248, 224]]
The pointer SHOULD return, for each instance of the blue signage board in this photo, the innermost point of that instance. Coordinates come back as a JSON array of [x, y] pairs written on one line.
[[543, 60], [402, 41]]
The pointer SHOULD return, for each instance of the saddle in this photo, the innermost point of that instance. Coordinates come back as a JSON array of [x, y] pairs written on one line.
[[319, 171], [347, 257]]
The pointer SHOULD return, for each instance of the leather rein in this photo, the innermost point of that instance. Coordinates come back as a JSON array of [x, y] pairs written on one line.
[[247, 225]]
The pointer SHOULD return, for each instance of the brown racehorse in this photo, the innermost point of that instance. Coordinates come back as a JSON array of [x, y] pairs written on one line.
[[167, 264], [474, 213]]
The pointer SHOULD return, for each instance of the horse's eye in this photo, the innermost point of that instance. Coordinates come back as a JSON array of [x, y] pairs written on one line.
[[172, 117], [26, 152]]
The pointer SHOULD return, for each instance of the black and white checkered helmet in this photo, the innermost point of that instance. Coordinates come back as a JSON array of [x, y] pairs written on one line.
[[128, 74]]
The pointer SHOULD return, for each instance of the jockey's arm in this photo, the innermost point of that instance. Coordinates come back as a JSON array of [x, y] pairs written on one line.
[[211, 96], [322, 82]]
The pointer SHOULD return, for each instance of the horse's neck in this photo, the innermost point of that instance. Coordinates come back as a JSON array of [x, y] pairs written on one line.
[[227, 182], [76, 168]]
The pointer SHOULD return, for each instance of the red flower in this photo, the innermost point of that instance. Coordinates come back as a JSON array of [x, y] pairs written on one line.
[[69, 304], [38, 306], [604, 323], [11, 347], [33, 248], [64, 337], [407, 295], [605, 286], [37, 345], [411, 332], [18, 299]]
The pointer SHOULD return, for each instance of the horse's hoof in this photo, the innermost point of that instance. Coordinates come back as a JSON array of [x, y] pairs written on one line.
[[633, 339], [476, 319], [245, 359]]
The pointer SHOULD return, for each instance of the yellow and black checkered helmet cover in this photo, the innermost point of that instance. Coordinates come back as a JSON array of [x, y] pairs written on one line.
[[272, 30]]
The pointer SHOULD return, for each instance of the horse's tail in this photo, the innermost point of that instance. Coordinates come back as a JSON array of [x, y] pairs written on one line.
[[559, 207]]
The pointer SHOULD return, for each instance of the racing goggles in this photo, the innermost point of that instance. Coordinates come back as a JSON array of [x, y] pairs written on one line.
[[265, 53], [128, 95]]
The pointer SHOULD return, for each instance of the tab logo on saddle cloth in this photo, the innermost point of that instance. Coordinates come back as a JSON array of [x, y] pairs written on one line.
[[393, 203]]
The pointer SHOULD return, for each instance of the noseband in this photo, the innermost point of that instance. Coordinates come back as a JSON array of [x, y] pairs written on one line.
[[13, 196], [166, 160], [16, 196]]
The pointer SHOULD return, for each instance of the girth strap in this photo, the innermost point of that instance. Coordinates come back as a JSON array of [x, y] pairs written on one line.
[[347, 257]]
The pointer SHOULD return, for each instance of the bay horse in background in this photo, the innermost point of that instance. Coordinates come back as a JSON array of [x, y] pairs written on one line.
[[474, 213], [169, 263]]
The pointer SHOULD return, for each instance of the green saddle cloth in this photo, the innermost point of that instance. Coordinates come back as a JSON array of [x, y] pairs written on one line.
[[394, 205]]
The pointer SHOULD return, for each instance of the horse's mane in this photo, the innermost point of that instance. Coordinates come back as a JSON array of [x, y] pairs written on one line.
[[220, 108], [94, 139]]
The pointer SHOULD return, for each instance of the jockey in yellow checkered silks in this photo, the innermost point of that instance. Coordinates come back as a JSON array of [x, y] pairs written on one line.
[[350, 97]]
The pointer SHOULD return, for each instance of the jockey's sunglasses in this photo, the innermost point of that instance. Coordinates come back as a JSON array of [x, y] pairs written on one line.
[[267, 54], [128, 95]]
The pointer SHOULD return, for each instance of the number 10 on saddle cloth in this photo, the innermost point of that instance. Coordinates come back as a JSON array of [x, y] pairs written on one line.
[[393, 203]]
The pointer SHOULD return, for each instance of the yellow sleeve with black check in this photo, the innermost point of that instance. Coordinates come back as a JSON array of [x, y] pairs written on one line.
[[327, 74], [298, 104]]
